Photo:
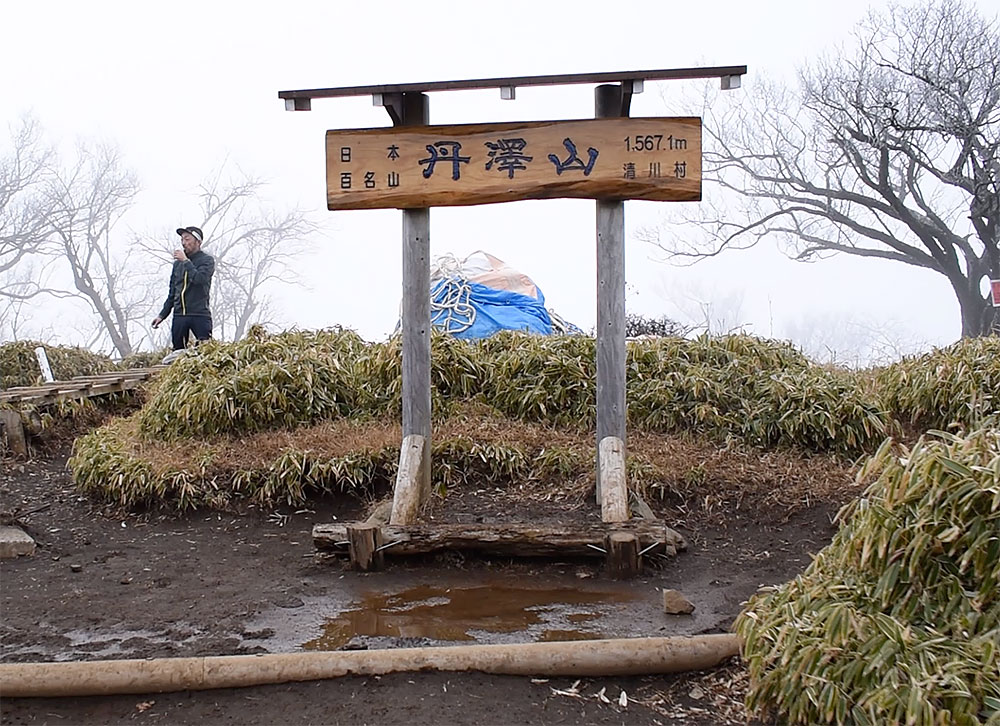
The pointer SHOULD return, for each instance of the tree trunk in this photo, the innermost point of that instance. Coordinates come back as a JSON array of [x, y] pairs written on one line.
[[978, 315]]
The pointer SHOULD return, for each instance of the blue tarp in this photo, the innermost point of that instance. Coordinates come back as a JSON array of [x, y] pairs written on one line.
[[494, 310]]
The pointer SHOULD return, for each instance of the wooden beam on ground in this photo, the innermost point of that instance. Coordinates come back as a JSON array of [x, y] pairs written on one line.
[[411, 490], [623, 554], [613, 488], [13, 433], [510, 540]]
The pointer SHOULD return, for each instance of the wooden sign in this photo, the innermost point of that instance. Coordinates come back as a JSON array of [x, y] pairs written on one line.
[[657, 159]]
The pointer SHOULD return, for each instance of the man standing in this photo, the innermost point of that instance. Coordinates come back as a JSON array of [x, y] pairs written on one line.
[[190, 283]]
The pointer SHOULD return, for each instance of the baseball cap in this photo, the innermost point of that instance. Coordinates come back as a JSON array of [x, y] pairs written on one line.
[[194, 231]]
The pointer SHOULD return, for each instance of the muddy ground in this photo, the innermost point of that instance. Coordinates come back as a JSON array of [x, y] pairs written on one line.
[[106, 585]]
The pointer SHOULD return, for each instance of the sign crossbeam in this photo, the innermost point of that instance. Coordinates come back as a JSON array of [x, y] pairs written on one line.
[[299, 100]]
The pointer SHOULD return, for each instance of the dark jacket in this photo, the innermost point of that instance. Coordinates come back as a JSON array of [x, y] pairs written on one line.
[[190, 283]]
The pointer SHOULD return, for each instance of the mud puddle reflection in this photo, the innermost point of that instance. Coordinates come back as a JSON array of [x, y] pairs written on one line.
[[482, 613]]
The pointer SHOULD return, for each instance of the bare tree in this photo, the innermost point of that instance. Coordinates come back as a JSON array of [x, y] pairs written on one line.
[[848, 340], [706, 309], [891, 151], [87, 201], [254, 248], [22, 213], [57, 241]]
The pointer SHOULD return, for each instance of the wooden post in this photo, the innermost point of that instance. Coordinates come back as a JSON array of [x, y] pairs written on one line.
[[417, 310], [623, 554], [364, 543], [614, 492], [610, 300], [408, 495], [13, 432]]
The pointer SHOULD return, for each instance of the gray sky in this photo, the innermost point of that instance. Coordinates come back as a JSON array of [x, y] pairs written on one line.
[[182, 86]]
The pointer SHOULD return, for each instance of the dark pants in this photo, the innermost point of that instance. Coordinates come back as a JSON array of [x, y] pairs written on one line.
[[184, 325]]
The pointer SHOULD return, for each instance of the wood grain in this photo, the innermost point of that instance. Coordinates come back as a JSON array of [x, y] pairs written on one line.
[[518, 540], [365, 172]]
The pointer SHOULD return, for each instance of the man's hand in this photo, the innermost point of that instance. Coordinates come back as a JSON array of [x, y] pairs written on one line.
[[179, 255], [156, 321]]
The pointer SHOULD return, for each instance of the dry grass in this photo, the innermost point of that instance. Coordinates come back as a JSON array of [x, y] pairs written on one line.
[[474, 448]]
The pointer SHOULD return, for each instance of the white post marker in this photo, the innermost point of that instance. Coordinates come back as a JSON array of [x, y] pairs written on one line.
[[43, 363]]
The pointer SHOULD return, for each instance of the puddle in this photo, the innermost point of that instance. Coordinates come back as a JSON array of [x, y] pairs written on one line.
[[472, 613]]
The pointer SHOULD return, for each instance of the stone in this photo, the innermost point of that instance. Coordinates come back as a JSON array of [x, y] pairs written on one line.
[[674, 603], [14, 542]]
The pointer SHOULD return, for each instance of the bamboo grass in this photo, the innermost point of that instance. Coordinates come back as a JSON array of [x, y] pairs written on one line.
[[898, 619]]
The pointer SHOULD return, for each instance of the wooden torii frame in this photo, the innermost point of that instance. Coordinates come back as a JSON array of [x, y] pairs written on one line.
[[623, 542]]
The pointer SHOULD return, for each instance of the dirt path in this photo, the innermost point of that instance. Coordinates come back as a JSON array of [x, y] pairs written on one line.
[[103, 586]]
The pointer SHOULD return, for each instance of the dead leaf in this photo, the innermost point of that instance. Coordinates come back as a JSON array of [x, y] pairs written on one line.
[[623, 700], [600, 695], [144, 706]]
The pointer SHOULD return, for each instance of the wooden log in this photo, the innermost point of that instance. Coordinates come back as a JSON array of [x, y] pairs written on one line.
[[613, 489], [623, 554], [13, 433], [573, 659], [517, 540], [409, 493], [364, 543]]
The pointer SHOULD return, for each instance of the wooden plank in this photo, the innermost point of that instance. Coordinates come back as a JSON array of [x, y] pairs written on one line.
[[416, 313], [428, 166], [614, 490], [659, 74], [109, 377], [58, 392], [409, 493], [623, 554], [514, 540], [13, 432]]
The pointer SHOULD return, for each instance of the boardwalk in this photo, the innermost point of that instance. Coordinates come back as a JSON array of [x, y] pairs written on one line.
[[100, 384]]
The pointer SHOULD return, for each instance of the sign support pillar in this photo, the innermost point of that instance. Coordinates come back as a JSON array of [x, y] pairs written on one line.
[[416, 313], [610, 298]]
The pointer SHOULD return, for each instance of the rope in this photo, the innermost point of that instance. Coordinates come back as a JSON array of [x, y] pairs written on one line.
[[561, 326], [451, 309]]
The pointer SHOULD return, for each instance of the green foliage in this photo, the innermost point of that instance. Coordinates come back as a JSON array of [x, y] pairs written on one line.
[[19, 366], [733, 388], [764, 393], [954, 386], [457, 372], [550, 379], [898, 619], [261, 382]]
